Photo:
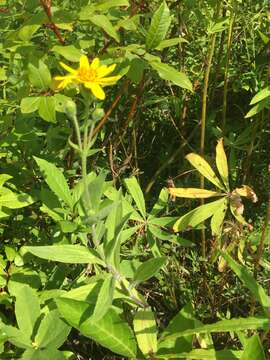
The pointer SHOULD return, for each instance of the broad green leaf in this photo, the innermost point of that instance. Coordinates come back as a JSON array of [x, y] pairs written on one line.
[[222, 163], [95, 190], [105, 298], [159, 26], [248, 280], [39, 77], [149, 268], [108, 4], [218, 218], [204, 168], [52, 331], [44, 354], [46, 108], [69, 52], [265, 103], [234, 325], [55, 180], [30, 27], [253, 349], [145, 329], [170, 42], [70, 254], [193, 193], [27, 310], [104, 23], [4, 178], [197, 215], [110, 331], [13, 200], [182, 321], [16, 337], [203, 354], [30, 104], [261, 95], [168, 73], [137, 194]]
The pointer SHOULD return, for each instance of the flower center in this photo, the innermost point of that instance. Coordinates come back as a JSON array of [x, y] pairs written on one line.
[[87, 75]]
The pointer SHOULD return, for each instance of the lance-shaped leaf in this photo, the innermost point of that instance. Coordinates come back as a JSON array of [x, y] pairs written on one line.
[[204, 168], [222, 163], [253, 349], [218, 218], [197, 216], [249, 281], [159, 26], [144, 324], [70, 254], [137, 194], [193, 193]]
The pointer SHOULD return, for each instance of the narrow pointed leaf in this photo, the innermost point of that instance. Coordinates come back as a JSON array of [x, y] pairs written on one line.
[[218, 218], [204, 168], [137, 194], [253, 349], [70, 254], [193, 193], [222, 163], [149, 268], [55, 180], [197, 216], [159, 26], [248, 280]]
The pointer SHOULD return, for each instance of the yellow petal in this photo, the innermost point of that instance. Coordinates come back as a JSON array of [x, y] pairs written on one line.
[[105, 70], [63, 81], [96, 90], [68, 68], [109, 80], [95, 64], [84, 63]]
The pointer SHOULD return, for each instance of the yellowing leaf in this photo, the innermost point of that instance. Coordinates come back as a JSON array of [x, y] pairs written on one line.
[[204, 168], [145, 330], [247, 192], [193, 193], [197, 216], [222, 164]]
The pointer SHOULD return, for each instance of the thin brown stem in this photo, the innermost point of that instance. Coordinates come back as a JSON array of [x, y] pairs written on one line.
[[47, 6]]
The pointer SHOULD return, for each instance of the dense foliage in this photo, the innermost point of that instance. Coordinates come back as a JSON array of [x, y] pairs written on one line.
[[120, 121]]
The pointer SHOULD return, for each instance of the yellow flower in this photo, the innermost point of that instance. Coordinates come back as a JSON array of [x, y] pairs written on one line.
[[92, 76]]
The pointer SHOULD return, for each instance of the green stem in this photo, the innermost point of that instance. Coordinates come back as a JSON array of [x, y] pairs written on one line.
[[77, 130], [229, 46]]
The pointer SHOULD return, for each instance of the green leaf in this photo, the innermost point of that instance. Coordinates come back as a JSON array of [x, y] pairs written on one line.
[[39, 77], [261, 95], [69, 52], [137, 194], [149, 268], [27, 310], [46, 108], [182, 321], [265, 103], [170, 42], [144, 324], [159, 26], [52, 331], [168, 73], [16, 337], [13, 200], [70, 254], [218, 218], [106, 5], [234, 325], [204, 168], [30, 104], [45, 354], [197, 215], [103, 22], [110, 331], [203, 354], [55, 180], [253, 349], [248, 280], [105, 298]]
